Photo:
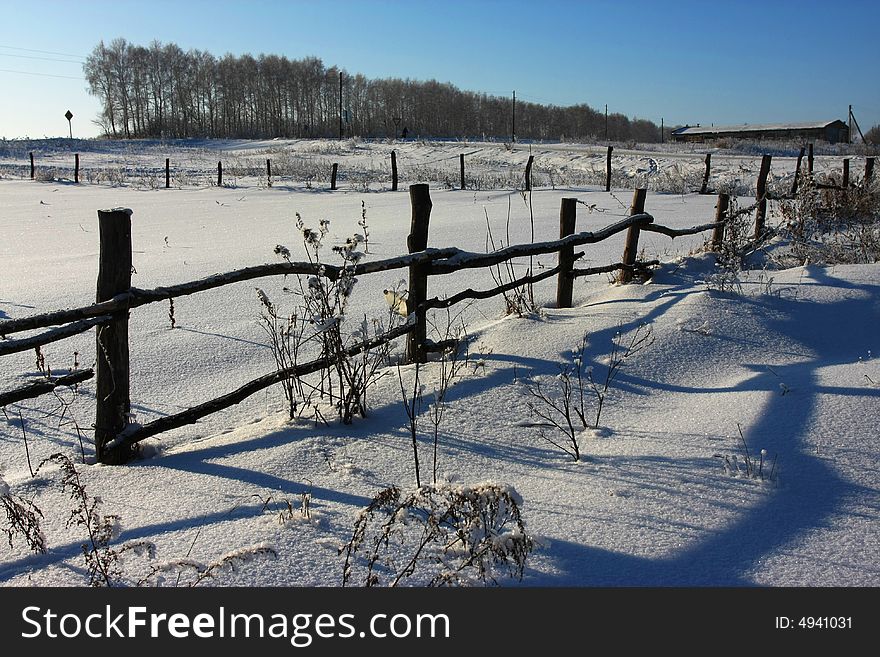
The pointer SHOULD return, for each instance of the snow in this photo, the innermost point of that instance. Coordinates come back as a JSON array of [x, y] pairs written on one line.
[[650, 502]]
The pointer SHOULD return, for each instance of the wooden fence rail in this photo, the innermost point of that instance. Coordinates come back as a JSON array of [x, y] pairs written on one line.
[[114, 434]]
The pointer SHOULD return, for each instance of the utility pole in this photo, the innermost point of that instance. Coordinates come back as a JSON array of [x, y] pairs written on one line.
[[606, 121], [849, 118], [340, 104], [662, 136], [513, 122]]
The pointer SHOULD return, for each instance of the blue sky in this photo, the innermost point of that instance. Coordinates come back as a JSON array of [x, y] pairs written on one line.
[[686, 62]]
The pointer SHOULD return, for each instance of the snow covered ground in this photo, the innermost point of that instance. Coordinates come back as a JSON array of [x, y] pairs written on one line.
[[791, 361]]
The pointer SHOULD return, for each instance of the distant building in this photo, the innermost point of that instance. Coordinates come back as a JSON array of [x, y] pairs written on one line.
[[830, 131]]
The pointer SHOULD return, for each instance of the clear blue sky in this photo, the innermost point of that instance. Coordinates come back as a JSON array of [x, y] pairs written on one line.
[[688, 62]]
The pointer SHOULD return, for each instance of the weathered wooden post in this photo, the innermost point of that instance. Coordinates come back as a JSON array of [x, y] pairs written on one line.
[[112, 370], [705, 186], [268, 172], [720, 216], [564, 280], [845, 183], [393, 171], [761, 196], [810, 160], [333, 176], [76, 168], [529, 173], [220, 174], [631, 248], [608, 170], [167, 173], [797, 171], [869, 169], [420, 199], [33, 170], [461, 168]]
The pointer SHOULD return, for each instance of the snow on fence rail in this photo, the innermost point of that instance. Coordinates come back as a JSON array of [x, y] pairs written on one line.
[[114, 436]]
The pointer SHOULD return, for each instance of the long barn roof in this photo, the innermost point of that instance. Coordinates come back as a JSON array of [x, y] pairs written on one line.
[[747, 127]]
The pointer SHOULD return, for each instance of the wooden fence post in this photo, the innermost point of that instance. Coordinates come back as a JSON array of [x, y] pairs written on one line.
[[810, 159], [761, 196], [869, 169], [461, 167], [564, 280], [220, 174], [631, 248], [333, 176], [393, 171], [529, 173], [720, 215], [705, 186], [608, 170], [797, 171], [112, 370], [845, 183], [167, 173], [33, 170], [268, 172], [420, 199], [76, 168]]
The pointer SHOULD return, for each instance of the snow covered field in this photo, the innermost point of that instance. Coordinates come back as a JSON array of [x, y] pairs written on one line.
[[792, 361]]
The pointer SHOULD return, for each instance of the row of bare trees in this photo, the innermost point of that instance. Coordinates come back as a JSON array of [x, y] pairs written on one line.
[[164, 91]]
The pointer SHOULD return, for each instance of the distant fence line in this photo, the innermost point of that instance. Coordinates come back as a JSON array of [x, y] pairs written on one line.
[[526, 179]]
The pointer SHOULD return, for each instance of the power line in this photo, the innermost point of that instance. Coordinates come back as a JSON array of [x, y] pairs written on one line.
[[44, 52], [43, 75], [46, 59]]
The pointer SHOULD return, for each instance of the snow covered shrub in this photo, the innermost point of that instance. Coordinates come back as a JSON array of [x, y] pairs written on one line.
[[285, 335], [729, 257], [748, 466], [519, 299], [22, 520], [321, 319], [832, 226], [438, 535], [564, 410], [102, 558], [107, 562]]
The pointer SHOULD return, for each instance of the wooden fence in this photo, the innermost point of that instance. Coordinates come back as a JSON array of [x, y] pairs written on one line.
[[114, 436], [527, 175]]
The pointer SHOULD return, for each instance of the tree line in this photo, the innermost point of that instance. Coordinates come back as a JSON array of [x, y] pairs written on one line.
[[163, 91]]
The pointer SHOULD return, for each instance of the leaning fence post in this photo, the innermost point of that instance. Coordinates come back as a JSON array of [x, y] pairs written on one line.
[[631, 247], [393, 171], [869, 169], [76, 168], [333, 176], [420, 199], [461, 167], [112, 370], [720, 216], [220, 174], [845, 183], [608, 170], [167, 173], [33, 170], [761, 196], [797, 171], [564, 280], [704, 188], [529, 173]]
